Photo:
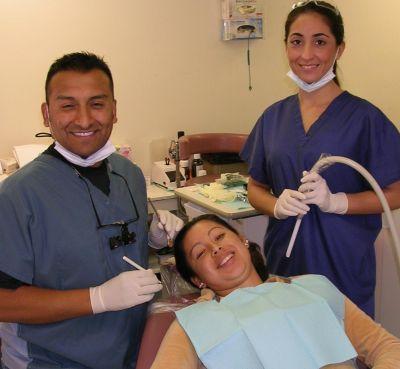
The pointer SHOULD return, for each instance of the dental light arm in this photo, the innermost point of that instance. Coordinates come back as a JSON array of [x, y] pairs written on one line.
[[327, 161]]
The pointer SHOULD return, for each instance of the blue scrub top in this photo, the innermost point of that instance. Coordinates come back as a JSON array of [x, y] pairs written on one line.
[[278, 150], [49, 239]]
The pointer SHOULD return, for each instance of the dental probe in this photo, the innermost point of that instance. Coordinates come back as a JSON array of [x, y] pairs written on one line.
[[170, 243]]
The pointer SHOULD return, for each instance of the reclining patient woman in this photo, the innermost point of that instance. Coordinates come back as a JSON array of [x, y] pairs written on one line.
[[302, 323]]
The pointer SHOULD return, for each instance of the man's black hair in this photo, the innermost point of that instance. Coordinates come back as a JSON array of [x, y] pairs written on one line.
[[80, 62]]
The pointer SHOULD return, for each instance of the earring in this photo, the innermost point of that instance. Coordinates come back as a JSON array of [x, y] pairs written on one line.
[[202, 285], [246, 243]]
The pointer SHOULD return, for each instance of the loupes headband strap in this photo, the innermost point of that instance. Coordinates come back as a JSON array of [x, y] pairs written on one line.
[[321, 4]]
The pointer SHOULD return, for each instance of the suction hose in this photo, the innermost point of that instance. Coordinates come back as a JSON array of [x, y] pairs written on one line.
[[327, 161]]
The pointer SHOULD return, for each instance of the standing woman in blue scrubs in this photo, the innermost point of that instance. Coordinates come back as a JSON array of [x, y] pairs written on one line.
[[341, 212]]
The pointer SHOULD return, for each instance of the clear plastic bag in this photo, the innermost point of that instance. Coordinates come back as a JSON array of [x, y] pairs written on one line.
[[173, 284]]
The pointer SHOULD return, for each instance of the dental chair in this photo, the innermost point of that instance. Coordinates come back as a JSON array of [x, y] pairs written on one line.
[[156, 326], [213, 143], [160, 317]]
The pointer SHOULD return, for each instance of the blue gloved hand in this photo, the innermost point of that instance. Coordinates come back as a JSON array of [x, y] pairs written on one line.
[[163, 232], [317, 192]]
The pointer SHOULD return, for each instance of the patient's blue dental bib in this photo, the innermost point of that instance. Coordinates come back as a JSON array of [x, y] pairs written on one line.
[[271, 326]]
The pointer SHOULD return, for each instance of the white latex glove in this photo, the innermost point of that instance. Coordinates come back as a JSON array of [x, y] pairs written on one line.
[[159, 237], [289, 204], [317, 192], [124, 291]]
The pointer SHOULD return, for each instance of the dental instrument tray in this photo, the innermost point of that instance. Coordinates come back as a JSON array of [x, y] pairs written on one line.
[[218, 192], [232, 180]]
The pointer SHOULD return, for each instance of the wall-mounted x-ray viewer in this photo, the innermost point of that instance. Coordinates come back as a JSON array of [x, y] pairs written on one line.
[[242, 19]]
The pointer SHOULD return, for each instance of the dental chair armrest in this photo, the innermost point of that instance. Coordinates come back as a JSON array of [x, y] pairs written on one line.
[[157, 325]]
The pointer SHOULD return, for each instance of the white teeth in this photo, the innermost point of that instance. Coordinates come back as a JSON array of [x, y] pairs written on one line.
[[227, 258], [308, 66], [83, 134]]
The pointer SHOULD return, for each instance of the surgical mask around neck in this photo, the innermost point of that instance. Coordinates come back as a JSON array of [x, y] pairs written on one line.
[[91, 160], [310, 87]]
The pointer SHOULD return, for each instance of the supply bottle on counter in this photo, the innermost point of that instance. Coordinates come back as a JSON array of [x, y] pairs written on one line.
[[185, 165], [125, 150], [197, 165]]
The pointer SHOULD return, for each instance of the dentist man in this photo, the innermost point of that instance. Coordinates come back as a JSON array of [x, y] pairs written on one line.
[[67, 299]]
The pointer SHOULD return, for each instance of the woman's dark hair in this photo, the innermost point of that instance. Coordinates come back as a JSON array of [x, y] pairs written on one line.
[[182, 264], [331, 15]]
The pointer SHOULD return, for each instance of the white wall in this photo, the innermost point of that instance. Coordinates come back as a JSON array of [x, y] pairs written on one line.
[[370, 65], [172, 72]]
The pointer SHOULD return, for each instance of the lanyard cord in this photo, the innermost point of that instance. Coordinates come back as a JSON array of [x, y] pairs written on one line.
[[99, 224], [90, 195]]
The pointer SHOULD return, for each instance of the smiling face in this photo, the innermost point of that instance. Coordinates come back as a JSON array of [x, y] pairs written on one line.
[[219, 258], [81, 110], [311, 47]]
